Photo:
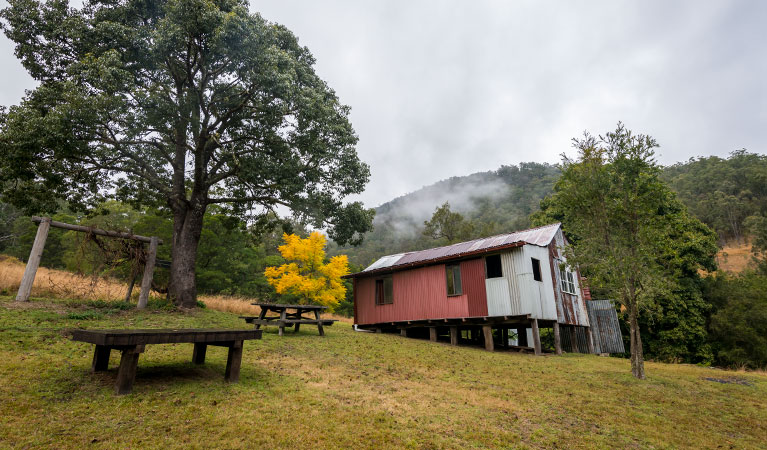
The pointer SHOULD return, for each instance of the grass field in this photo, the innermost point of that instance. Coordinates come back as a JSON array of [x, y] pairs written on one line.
[[349, 389]]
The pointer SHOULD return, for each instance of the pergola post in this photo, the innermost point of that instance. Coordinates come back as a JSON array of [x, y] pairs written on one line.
[[146, 280], [25, 288]]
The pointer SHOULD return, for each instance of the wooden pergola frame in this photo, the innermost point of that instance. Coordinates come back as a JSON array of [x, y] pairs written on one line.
[[44, 225]]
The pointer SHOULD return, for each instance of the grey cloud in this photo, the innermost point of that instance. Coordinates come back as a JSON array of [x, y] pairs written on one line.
[[445, 88]]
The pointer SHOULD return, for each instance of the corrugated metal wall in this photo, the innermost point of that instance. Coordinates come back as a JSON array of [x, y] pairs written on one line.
[[565, 334], [605, 328], [498, 303], [473, 279], [418, 294], [571, 309]]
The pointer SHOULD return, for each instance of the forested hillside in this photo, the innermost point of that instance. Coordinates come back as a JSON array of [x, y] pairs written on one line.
[[727, 194]]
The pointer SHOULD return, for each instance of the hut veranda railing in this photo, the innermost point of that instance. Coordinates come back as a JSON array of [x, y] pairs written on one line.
[[44, 225]]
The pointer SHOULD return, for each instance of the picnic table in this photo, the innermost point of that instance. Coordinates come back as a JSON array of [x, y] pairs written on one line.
[[285, 318], [132, 343]]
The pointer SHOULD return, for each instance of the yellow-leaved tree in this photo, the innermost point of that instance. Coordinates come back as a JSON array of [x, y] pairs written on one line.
[[306, 274]]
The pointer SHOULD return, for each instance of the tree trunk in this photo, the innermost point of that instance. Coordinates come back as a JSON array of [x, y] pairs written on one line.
[[187, 228], [637, 357]]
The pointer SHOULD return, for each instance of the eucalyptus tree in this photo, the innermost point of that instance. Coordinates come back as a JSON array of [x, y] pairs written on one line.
[[630, 234], [179, 103]]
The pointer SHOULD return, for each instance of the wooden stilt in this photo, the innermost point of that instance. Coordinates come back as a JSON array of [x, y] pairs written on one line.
[[536, 338], [403, 332], [557, 339], [25, 288], [488, 332], [453, 335], [433, 334], [146, 280], [574, 339], [505, 337], [522, 336]]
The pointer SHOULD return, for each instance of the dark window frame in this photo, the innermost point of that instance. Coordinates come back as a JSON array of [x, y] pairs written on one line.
[[384, 290], [494, 273], [451, 270], [536, 269]]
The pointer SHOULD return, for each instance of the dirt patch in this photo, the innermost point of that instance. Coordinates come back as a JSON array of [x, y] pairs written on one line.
[[730, 380]]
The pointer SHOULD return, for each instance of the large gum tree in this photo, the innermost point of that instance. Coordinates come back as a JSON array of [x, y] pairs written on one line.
[[179, 103]]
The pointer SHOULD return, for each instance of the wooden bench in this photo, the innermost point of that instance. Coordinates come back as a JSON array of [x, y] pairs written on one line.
[[289, 319], [132, 343]]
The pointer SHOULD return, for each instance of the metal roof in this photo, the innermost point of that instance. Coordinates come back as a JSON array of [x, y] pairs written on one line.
[[540, 236]]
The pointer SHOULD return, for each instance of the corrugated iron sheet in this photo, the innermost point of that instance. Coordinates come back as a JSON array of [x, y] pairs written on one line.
[[565, 333], [605, 329], [418, 294], [473, 278], [540, 236]]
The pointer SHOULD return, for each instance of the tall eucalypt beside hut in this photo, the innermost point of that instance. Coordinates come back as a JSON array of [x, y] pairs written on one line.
[[630, 234], [178, 103]]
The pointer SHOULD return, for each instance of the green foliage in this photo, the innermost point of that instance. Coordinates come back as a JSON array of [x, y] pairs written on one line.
[[447, 226], [738, 323], [177, 104], [634, 240], [723, 193]]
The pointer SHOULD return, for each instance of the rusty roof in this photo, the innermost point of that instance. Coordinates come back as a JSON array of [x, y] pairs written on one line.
[[540, 236]]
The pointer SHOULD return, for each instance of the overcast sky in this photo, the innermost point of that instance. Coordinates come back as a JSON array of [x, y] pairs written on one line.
[[445, 88]]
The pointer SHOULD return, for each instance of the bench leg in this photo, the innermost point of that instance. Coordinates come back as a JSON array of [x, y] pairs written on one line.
[[298, 325], [282, 321], [127, 372], [198, 357], [233, 362], [101, 358], [261, 316], [319, 322]]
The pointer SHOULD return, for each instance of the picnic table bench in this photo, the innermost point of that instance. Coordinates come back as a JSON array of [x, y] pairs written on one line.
[[289, 319], [132, 343]]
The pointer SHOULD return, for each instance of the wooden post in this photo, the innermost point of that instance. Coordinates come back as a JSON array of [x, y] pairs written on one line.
[[453, 335], [319, 322], [589, 340], [130, 287], [403, 332], [536, 338], [126, 374], [233, 362], [574, 339], [557, 339], [487, 330], [198, 357], [25, 288], [101, 358], [146, 280], [433, 334], [522, 336]]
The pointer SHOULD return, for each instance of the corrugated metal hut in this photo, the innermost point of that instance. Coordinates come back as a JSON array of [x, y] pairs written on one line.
[[484, 290]]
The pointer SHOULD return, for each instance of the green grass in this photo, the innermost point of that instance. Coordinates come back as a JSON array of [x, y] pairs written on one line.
[[349, 390]]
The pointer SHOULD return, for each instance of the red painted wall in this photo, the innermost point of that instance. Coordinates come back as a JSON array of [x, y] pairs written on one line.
[[473, 278], [422, 294]]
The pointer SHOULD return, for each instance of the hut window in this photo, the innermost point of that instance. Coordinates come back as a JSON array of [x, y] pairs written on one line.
[[453, 272], [536, 269], [493, 267], [384, 288], [568, 285]]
